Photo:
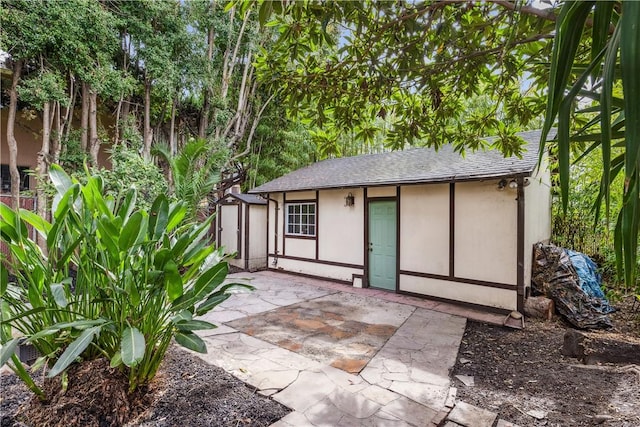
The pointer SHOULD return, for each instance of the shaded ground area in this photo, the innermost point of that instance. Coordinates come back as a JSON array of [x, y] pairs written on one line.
[[341, 330], [187, 392], [520, 371]]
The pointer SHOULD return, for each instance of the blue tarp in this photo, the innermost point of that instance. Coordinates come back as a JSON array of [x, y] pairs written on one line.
[[589, 278]]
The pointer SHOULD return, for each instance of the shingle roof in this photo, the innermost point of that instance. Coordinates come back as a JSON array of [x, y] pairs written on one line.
[[418, 165], [251, 199]]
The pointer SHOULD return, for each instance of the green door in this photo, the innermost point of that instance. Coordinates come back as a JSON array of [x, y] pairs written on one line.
[[382, 244]]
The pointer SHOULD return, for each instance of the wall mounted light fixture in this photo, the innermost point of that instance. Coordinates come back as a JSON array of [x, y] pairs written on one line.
[[502, 184], [349, 200]]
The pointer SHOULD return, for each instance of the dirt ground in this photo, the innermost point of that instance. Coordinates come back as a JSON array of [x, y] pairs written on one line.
[[186, 392], [521, 375]]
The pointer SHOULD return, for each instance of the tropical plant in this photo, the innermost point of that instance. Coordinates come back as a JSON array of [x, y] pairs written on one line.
[[195, 171], [118, 282], [607, 80]]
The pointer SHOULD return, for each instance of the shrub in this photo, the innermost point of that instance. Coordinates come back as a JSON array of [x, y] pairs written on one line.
[[117, 282]]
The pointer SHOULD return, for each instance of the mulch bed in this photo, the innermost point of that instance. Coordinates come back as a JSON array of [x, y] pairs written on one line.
[[186, 392], [520, 371]]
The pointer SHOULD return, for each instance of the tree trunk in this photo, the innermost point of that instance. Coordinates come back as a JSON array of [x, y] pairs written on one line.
[[94, 142], [11, 138], [84, 120], [57, 140], [42, 168], [67, 122], [147, 134], [204, 115]]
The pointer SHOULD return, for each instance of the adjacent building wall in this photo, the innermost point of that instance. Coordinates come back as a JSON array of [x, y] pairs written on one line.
[[257, 237]]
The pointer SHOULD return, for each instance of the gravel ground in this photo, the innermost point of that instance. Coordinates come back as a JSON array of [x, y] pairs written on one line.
[[186, 392]]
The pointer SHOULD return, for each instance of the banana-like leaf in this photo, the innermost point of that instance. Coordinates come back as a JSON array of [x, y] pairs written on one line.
[[191, 341], [173, 280], [132, 347], [59, 294], [8, 349], [60, 179], [130, 231], [630, 64], [74, 350], [194, 325], [569, 29]]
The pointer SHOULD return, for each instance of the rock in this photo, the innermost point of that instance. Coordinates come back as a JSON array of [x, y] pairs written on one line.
[[464, 361], [592, 348], [602, 418], [537, 414], [466, 380]]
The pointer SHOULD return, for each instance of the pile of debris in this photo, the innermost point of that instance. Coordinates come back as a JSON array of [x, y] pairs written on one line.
[[572, 281]]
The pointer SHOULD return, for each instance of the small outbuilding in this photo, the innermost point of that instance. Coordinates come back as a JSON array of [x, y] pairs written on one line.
[[240, 227], [418, 222]]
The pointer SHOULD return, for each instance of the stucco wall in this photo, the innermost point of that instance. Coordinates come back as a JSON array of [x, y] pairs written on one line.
[[28, 133], [485, 232], [537, 220], [257, 236], [492, 297], [381, 192], [424, 228], [315, 269], [340, 228]]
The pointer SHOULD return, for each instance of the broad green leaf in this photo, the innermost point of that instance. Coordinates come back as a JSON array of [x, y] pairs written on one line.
[[211, 303], [209, 280], [191, 341], [74, 350], [158, 217], [132, 346], [183, 315], [41, 225], [4, 280], [59, 294], [177, 213], [194, 325], [8, 350], [130, 231], [77, 324], [60, 179], [116, 360], [128, 204], [173, 279]]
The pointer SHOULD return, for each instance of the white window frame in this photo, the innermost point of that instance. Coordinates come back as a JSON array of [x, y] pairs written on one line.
[[298, 221]]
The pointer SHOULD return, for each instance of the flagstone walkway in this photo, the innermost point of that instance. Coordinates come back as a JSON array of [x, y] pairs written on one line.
[[405, 381]]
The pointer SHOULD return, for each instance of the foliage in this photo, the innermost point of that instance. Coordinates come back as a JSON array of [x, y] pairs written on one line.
[[611, 34], [128, 169], [119, 282], [574, 228], [195, 171], [414, 62]]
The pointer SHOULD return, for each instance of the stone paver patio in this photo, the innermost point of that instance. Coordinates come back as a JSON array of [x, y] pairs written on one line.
[[404, 380]]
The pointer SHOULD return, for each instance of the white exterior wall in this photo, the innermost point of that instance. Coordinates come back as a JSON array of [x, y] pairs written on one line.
[[340, 228], [537, 217], [315, 269], [381, 192], [424, 228], [257, 236], [276, 217], [485, 232], [464, 292]]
